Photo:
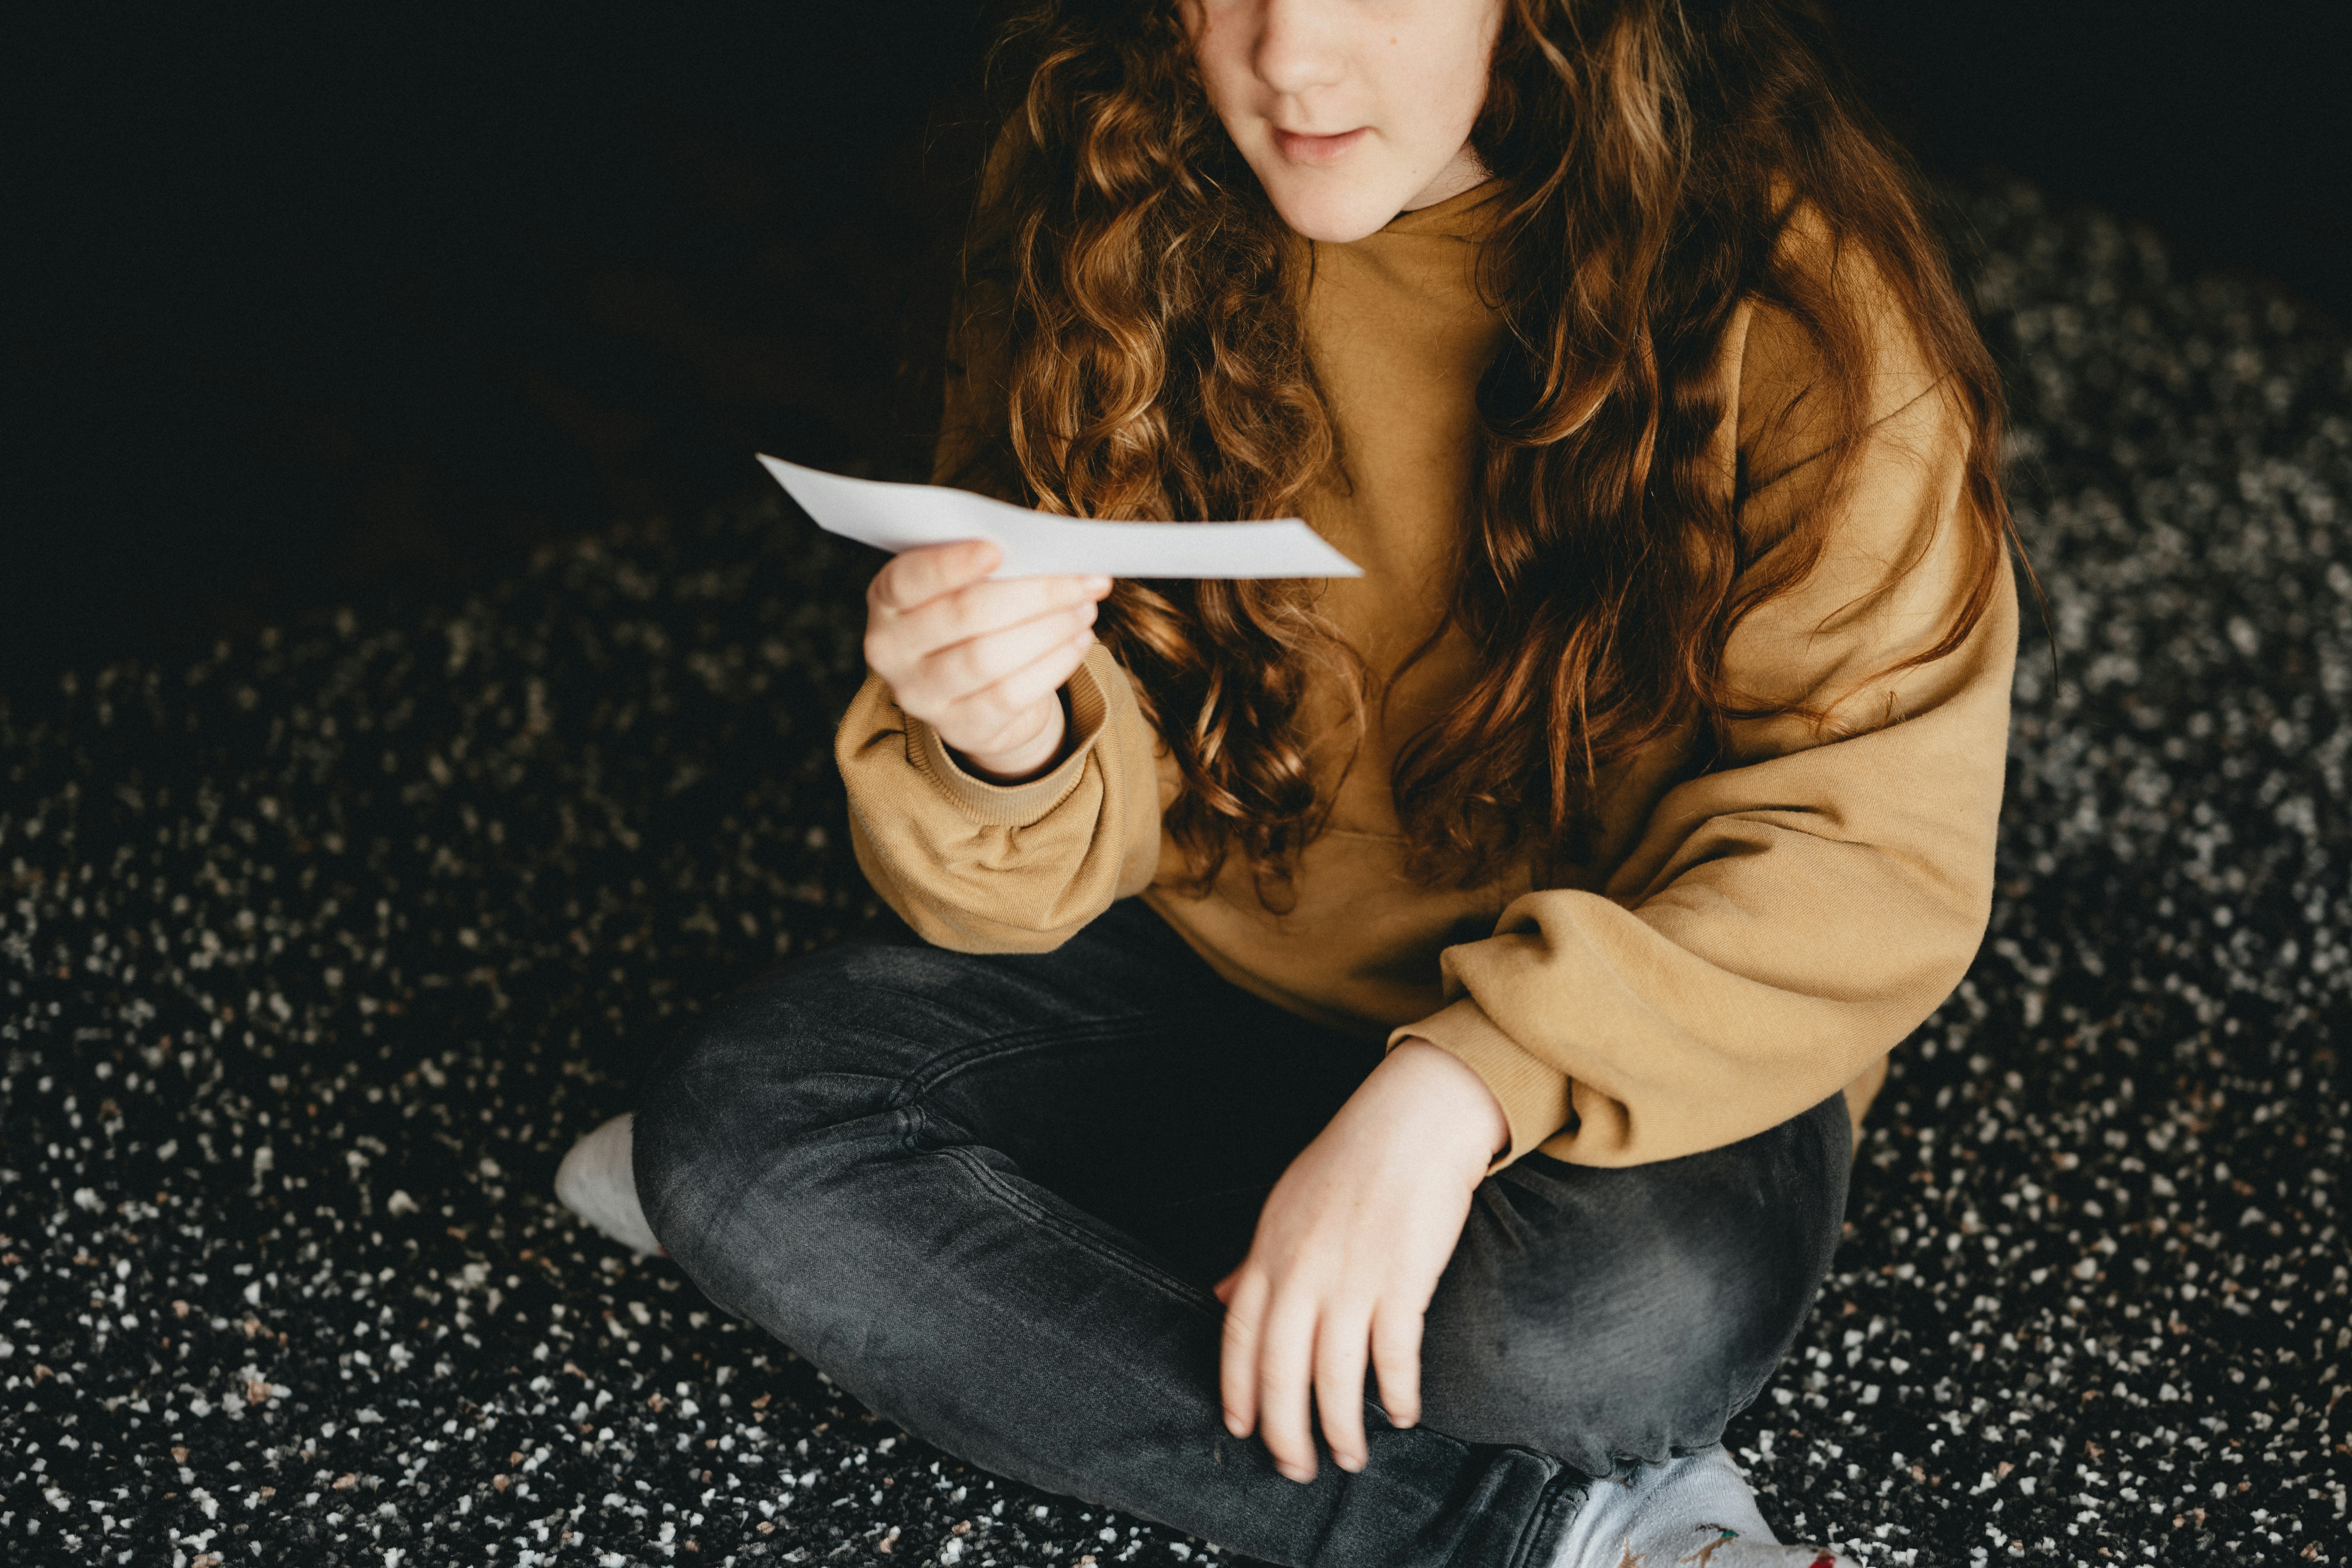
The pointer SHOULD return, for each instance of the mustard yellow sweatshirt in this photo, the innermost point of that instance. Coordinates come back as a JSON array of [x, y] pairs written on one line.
[[1770, 909]]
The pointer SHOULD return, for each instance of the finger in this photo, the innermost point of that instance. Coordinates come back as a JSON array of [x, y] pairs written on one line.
[[976, 609], [1341, 1345], [996, 709], [1223, 1288], [1237, 1358], [918, 576], [1284, 1371], [1396, 1360], [951, 675]]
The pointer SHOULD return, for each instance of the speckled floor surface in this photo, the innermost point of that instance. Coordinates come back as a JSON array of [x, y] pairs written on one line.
[[318, 954]]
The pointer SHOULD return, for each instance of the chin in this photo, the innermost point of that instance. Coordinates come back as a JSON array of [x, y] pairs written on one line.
[[1332, 213]]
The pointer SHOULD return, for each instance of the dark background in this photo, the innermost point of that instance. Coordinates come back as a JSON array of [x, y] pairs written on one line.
[[361, 302]]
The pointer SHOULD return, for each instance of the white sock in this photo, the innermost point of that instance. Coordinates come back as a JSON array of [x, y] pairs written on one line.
[[596, 1183], [1696, 1510]]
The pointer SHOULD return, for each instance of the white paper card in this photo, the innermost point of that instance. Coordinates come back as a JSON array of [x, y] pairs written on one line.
[[896, 517]]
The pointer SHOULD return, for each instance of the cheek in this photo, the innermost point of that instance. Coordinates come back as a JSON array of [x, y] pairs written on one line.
[[1451, 69], [1430, 87], [1221, 56]]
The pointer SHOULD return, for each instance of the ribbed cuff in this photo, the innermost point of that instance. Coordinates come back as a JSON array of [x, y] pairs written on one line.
[[1533, 1092], [1025, 803]]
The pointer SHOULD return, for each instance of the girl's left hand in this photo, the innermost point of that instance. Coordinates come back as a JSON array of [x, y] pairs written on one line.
[[1347, 1253]]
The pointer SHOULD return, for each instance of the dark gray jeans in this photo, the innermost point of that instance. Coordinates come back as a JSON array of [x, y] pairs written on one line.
[[987, 1195]]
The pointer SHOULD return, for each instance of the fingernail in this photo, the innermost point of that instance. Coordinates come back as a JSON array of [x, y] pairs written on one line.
[[1233, 1424], [1348, 1462], [1098, 584]]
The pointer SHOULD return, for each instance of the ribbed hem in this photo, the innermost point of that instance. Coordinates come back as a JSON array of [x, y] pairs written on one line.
[[1022, 804], [1533, 1092]]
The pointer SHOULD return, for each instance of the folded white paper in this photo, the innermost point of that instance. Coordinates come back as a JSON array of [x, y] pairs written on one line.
[[896, 517]]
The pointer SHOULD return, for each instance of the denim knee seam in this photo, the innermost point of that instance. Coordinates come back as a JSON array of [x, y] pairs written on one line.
[[907, 1103], [979, 1052], [987, 1177]]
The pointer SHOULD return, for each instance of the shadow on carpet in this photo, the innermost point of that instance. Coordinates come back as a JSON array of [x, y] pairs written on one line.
[[319, 953]]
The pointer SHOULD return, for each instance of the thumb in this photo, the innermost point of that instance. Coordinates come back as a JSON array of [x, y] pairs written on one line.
[[1223, 1288]]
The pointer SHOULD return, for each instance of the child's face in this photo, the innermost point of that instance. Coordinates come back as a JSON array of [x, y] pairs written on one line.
[[1351, 111]]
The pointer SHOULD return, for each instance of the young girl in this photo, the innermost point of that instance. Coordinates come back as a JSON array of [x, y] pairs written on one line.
[[1413, 1019]]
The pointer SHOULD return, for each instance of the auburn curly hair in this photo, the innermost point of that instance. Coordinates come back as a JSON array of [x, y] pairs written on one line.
[[1650, 155]]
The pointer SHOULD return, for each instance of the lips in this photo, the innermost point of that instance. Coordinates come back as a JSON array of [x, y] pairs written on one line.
[[1301, 148]]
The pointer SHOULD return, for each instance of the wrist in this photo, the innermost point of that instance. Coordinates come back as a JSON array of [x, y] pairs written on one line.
[[1463, 1110], [1025, 760]]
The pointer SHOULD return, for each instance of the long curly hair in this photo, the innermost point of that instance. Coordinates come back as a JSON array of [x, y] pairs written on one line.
[[1650, 155]]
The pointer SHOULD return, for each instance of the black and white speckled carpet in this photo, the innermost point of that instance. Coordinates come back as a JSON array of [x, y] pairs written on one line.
[[319, 953]]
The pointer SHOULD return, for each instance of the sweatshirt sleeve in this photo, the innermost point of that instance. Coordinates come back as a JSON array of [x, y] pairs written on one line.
[[982, 867], [1789, 915]]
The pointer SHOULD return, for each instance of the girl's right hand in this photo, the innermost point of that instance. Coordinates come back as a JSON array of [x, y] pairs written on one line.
[[981, 662]]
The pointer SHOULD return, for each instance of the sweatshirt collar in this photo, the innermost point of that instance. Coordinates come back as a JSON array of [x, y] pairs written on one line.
[[1467, 215]]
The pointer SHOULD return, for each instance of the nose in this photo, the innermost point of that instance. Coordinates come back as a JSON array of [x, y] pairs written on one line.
[[1299, 48]]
